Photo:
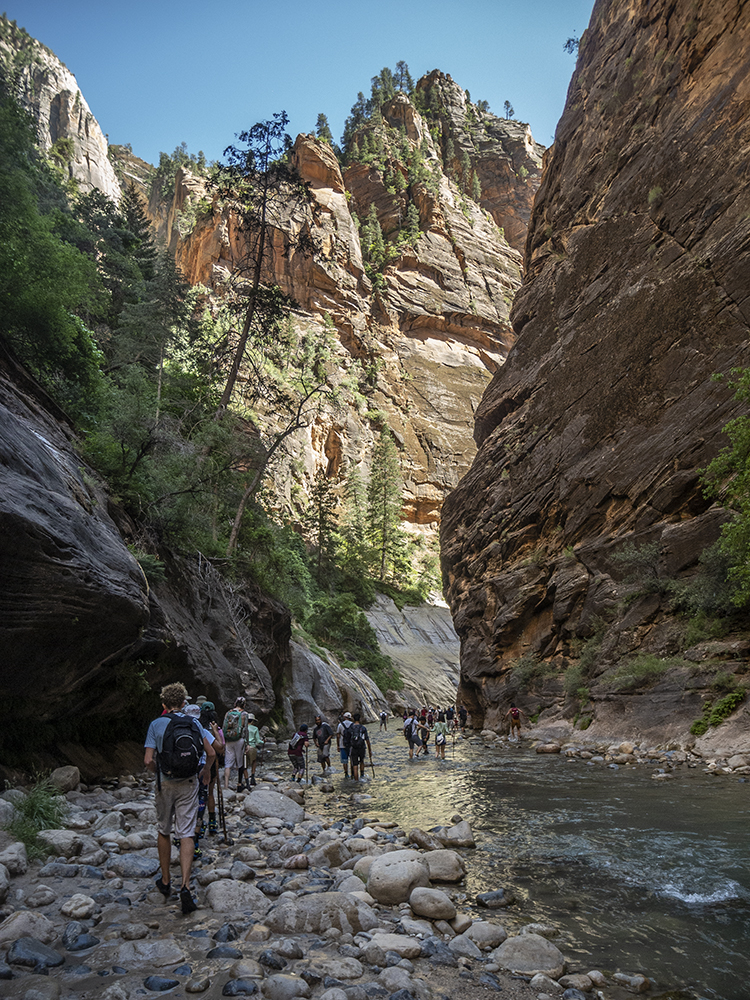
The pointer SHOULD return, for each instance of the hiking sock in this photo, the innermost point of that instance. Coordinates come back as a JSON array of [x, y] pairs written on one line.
[[212, 828]]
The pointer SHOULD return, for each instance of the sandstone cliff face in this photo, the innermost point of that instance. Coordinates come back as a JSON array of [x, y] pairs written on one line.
[[593, 433], [50, 92], [439, 325]]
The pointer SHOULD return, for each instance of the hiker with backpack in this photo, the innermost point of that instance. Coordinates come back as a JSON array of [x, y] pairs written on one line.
[[342, 740], [296, 752], [383, 721], [253, 742], [322, 735], [177, 750], [441, 736], [210, 721], [235, 736], [514, 714], [410, 732], [359, 741]]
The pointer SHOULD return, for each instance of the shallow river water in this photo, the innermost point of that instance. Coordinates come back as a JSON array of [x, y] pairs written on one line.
[[639, 875]]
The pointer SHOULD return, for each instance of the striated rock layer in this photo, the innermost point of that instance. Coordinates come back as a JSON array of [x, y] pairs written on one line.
[[594, 432]]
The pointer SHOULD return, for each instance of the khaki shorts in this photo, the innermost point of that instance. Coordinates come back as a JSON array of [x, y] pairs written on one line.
[[234, 755], [251, 755], [177, 807]]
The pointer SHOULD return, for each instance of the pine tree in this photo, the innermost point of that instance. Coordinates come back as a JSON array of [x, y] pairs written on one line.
[[403, 77], [353, 536], [476, 187], [384, 502], [412, 222], [138, 239], [323, 130], [321, 521]]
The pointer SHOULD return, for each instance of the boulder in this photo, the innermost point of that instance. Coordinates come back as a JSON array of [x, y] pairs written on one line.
[[155, 953], [282, 987], [445, 866], [15, 859], [227, 896], [527, 954], [393, 877], [25, 923], [65, 779], [402, 944], [315, 913], [134, 866], [424, 840], [432, 903], [61, 843], [266, 803], [459, 835], [486, 935], [462, 944]]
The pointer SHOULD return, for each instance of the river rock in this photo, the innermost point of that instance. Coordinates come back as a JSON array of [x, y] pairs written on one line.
[[78, 907], [486, 935], [199, 984], [445, 866], [548, 748], [30, 952], [314, 914], [282, 987], [495, 899], [637, 983], [25, 923], [424, 840], [393, 876], [264, 804], [239, 988], [41, 896], [227, 896], [156, 952], [61, 843], [5, 886], [459, 835], [406, 947], [432, 903], [462, 944], [7, 812], [528, 954], [160, 984], [65, 779], [15, 859], [577, 981], [134, 866], [542, 982], [340, 968], [332, 854], [395, 979], [246, 968]]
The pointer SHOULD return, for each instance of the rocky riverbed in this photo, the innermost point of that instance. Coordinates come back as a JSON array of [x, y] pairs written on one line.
[[310, 896]]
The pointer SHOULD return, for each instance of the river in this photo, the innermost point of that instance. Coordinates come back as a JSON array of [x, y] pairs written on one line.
[[638, 875]]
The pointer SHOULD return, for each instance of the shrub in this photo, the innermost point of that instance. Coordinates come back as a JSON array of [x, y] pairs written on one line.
[[641, 671], [42, 808], [714, 715], [529, 669]]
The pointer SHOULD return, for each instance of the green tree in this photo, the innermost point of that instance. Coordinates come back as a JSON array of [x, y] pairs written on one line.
[[323, 129], [258, 184], [45, 283], [476, 187], [728, 478], [321, 521], [402, 77], [412, 222], [384, 502], [508, 109], [353, 546]]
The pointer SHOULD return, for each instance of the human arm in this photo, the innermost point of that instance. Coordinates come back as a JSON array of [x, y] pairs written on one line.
[[149, 759], [205, 772]]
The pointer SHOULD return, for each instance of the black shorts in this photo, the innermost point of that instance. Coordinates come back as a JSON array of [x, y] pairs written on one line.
[[357, 757]]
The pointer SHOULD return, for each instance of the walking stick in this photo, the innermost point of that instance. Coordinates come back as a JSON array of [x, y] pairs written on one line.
[[372, 766], [222, 815], [306, 749]]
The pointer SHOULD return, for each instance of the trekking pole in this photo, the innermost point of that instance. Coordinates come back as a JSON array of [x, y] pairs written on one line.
[[372, 766], [222, 815], [306, 749]]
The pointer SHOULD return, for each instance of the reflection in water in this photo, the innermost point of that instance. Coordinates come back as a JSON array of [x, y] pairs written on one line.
[[640, 876]]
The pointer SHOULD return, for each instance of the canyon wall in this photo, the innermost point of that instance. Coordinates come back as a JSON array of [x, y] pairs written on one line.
[[592, 436]]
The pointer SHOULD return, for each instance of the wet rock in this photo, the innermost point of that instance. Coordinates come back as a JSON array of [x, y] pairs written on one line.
[[159, 984], [241, 872], [638, 983], [227, 932], [528, 954], [424, 840], [289, 948], [459, 835], [495, 899], [393, 877], [198, 985], [239, 988], [445, 865], [271, 960], [577, 981], [246, 968], [432, 903], [225, 951], [34, 954], [5, 971]]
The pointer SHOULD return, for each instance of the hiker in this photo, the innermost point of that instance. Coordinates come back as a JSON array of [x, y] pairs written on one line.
[[383, 721], [514, 714], [441, 736], [322, 735], [342, 740], [410, 732], [235, 735], [296, 752], [422, 737], [173, 749], [210, 720], [253, 741], [462, 715], [194, 712], [359, 741]]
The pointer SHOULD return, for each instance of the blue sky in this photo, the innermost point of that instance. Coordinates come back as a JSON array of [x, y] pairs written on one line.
[[156, 73]]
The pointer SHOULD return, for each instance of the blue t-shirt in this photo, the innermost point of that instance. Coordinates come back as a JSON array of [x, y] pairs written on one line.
[[155, 737]]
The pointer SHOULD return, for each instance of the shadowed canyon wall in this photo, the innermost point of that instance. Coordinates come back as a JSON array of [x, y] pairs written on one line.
[[594, 432]]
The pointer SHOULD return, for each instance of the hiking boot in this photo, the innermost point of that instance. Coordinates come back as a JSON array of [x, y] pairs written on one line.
[[240, 787], [252, 779], [212, 828], [164, 889], [187, 902]]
